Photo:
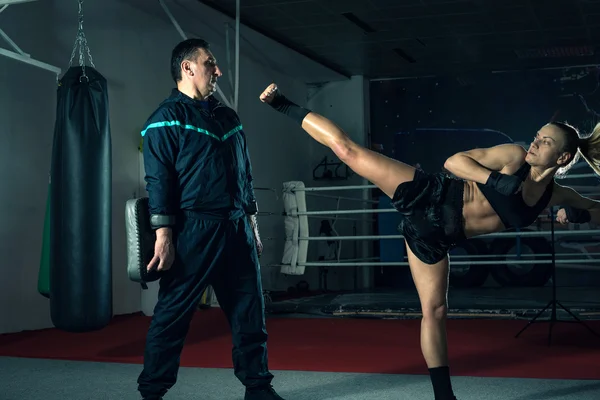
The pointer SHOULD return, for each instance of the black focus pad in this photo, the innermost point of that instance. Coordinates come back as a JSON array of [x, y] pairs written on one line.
[[140, 241]]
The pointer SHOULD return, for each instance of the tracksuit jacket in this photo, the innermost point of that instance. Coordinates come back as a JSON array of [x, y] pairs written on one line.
[[196, 159]]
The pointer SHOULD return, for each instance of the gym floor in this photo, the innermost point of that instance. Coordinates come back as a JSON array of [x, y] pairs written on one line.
[[326, 355], [28, 379]]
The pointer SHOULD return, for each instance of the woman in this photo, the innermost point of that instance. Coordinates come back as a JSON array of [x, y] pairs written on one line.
[[497, 188]]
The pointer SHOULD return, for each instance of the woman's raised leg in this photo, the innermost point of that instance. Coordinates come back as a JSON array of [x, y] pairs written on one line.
[[384, 172]]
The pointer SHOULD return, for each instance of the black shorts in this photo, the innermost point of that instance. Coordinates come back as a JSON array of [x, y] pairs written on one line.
[[431, 207]]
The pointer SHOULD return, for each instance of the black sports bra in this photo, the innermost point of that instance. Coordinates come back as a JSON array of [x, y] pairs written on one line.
[[512, 210]]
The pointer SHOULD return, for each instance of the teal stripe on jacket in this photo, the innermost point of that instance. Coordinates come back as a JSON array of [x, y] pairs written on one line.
[[163, 124]]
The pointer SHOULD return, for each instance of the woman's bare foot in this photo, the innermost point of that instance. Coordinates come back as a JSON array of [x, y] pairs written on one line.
[[269, 93]]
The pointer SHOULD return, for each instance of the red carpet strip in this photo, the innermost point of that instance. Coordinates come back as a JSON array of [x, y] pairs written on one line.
[[484, 348]]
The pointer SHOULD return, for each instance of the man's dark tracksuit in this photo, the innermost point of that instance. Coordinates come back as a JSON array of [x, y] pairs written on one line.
[[199, 180]]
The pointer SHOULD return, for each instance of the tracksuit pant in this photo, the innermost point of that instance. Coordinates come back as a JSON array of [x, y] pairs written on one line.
[[222, 253]]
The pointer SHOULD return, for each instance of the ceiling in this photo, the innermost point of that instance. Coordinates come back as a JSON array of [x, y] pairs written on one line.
[[403, 38]]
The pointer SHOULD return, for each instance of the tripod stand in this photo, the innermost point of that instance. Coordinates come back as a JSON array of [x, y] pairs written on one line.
[[553, 303]]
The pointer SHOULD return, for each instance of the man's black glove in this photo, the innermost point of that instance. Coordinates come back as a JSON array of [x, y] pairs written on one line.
[[577, 216], [504, 184], [161, 221]]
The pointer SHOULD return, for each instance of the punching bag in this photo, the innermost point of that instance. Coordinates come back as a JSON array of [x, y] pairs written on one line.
[[81, 174], [44, 273]]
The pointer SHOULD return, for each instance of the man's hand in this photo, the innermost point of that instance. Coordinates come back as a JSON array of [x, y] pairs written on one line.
[[164, 251], [254, 225], [259, 245]]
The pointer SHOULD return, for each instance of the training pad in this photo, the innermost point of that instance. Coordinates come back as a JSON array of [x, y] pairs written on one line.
[[140, 241], [295, 251]]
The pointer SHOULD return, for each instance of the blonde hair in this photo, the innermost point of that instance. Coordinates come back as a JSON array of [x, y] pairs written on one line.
[[589, 148]]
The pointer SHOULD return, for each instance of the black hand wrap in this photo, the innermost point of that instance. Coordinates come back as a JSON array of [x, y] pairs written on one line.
[[161, 221], [285, 106], [504, 184], [577, 216]]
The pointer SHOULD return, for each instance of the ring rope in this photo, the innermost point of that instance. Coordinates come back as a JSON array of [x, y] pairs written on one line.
[[401, 263], [499, 234], [353, 187], [297, 235]]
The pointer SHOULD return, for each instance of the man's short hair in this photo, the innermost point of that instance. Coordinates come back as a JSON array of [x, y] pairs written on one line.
[[185, 50]]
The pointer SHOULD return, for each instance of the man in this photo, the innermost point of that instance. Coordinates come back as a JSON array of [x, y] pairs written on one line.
[[202, 206]]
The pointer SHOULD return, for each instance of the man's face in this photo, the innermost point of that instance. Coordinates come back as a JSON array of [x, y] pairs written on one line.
[[203, 72]]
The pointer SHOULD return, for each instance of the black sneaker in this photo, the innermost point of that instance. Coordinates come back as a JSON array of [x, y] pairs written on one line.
[[262, 393]]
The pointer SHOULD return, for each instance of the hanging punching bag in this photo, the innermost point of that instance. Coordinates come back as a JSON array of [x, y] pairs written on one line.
[[81, 174]]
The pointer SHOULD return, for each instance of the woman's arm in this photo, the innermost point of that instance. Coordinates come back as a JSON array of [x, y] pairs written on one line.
[[477, 165], [580, 209]]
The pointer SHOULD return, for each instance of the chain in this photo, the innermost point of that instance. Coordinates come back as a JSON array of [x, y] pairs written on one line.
[[81, 44]]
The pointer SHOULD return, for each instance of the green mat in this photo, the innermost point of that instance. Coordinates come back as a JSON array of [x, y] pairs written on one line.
[[44, 273]]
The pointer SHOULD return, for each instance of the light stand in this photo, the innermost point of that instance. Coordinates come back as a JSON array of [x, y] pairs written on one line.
[[553, 303]]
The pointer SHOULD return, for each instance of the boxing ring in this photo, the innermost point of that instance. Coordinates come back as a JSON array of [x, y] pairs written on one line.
[[503, 275]]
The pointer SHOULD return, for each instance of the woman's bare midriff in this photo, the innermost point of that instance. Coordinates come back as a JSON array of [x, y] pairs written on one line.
[[479, 216]]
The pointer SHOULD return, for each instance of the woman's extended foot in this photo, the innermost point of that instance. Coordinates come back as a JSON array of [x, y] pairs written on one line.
[[273, 97], [269, 93]]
